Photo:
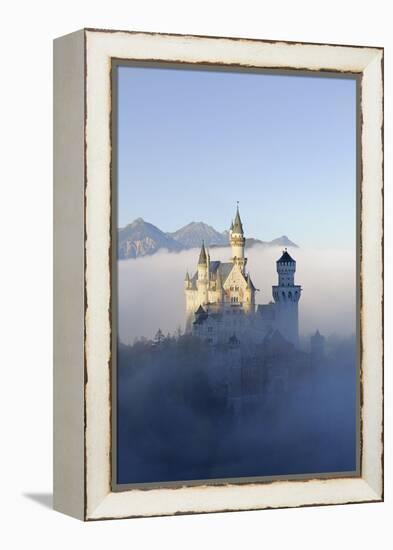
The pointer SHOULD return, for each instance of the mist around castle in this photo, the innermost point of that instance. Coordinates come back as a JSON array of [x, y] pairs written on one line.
[[236, 328], [236, 390]]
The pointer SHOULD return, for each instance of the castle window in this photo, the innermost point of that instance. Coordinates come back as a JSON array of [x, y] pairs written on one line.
[[209, 329]]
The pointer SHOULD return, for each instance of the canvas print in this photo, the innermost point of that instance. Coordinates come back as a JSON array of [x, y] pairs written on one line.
[[235, 279]]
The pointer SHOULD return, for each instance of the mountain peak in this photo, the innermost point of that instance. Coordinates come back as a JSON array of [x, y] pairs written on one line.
[[141, 238], [194, 224], [193, 234], [283, 241]]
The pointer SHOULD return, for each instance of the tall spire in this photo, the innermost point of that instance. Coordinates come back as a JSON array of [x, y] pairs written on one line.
[[202, 256], [237, 224], [237, 241]]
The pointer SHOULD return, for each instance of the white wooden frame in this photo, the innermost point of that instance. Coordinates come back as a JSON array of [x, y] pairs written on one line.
[[82, 335]]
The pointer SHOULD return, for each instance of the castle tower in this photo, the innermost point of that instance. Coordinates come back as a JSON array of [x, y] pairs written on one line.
[[317, 347], [187, 281], [237, 241], [203, 276], [286, 296], [219, 288], [190, 301]]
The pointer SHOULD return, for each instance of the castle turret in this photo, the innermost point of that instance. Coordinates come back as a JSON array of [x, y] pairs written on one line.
[[286, 296], [203, 276], [286, 268], [237, 241], [187, 281], [202, 263]]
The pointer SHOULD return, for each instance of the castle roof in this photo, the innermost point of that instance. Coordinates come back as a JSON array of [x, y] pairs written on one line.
[[216, 268], [285, 258], [276, 342], [200, 316], [250, 284], [224, 269], [202, 256], [237, 226]]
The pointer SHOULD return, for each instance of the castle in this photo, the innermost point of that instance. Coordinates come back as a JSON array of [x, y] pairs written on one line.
[[220, 297]]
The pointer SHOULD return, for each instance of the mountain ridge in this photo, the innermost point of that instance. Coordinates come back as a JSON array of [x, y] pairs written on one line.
[[141, 238], [192, 234]]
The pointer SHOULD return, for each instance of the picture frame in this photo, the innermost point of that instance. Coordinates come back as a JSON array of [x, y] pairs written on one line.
[[83, 283]]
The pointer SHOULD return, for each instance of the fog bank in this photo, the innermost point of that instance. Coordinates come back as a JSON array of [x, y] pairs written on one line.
[[151, 289]]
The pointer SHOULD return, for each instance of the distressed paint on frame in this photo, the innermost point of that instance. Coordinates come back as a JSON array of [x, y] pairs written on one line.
[[100, 512]]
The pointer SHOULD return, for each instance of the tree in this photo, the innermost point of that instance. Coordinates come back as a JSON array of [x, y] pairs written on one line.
[[158, 338]]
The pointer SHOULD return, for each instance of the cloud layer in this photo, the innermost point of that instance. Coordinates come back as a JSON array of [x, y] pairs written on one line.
[[151, 295]]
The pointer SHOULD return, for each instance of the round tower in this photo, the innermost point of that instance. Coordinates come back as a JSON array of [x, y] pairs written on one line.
[[237, 241], [286, 268], [286, 296]]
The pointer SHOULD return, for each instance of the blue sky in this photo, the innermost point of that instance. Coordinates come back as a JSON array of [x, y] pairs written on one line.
[[192, 143]]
